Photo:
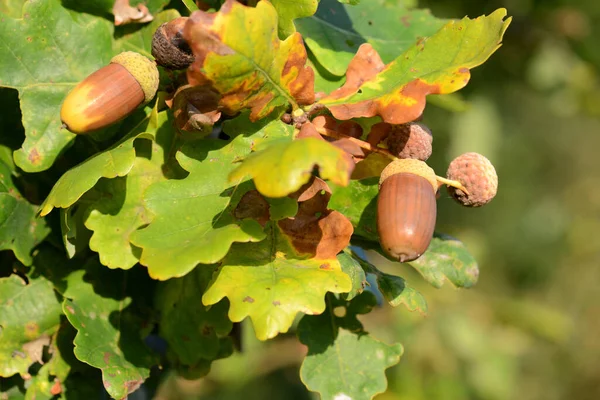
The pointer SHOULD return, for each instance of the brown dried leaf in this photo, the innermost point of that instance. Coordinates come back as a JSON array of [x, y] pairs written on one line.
[[196, 108], [253, 205], [126, 14], [316, 230]]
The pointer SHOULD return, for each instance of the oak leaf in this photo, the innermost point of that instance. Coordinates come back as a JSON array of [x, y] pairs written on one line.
[[238, 51], [439, 64]]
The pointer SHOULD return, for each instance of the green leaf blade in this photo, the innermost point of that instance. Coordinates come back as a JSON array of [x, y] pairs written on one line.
[[108, 338], [336, 31], [343, 361], [270, 283], [283, 168], [29, 315], [46, 53]]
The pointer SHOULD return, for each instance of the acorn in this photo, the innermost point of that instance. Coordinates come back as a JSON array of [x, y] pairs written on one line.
[[110, 94], [169, 48], [406, 208]]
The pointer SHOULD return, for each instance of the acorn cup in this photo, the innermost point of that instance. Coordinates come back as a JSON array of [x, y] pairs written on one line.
[[406, 208], [169, 48], [110, 94]]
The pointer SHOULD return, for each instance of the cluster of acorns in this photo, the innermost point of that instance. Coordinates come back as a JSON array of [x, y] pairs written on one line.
[[406, 205], [408, 186]]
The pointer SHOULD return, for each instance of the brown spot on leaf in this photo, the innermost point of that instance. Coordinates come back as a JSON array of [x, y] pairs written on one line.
[[248, 299], [106, 357], [29, 39], [324, 266], [276, 303], [31, 329], [34, 156], [56, 389], [133, 385], [253, 205], [70, 309]]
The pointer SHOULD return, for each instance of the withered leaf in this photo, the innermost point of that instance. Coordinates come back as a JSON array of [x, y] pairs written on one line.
[[126, 14], [237, 49], [316, 230], [196, 108]]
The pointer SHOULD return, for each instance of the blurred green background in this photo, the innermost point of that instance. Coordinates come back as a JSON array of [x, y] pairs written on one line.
[[530, 329]]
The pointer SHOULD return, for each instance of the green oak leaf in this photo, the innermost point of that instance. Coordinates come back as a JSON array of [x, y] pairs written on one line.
[[336, 31], [113, 162], [75, 235], [119, 209], [20, 230], [358, 202], [283, 168], [353, 269], [343, 361], [394, 289], [270, 282], [115, 216], [140, 40], [238, 51], [108, 338], [12, 8], [193, 331], [45, 54], [446, 257], [193, 220], [29, 316], [289, 10], [435, 65], [282, 207], [325, 81]]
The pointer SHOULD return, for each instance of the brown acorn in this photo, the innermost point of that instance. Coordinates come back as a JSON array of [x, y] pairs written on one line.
[[406, 209], [110, 94]]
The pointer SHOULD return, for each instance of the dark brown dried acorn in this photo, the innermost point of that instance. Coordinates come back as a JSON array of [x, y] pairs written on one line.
[[110, 94], [406, 208], [169, 48]]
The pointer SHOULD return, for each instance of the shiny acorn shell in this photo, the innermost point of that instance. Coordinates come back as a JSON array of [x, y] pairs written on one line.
[[110, 94], [406, 215]]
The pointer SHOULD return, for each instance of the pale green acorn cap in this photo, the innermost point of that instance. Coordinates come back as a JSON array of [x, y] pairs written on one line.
[[410, 166], [143, 70]]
